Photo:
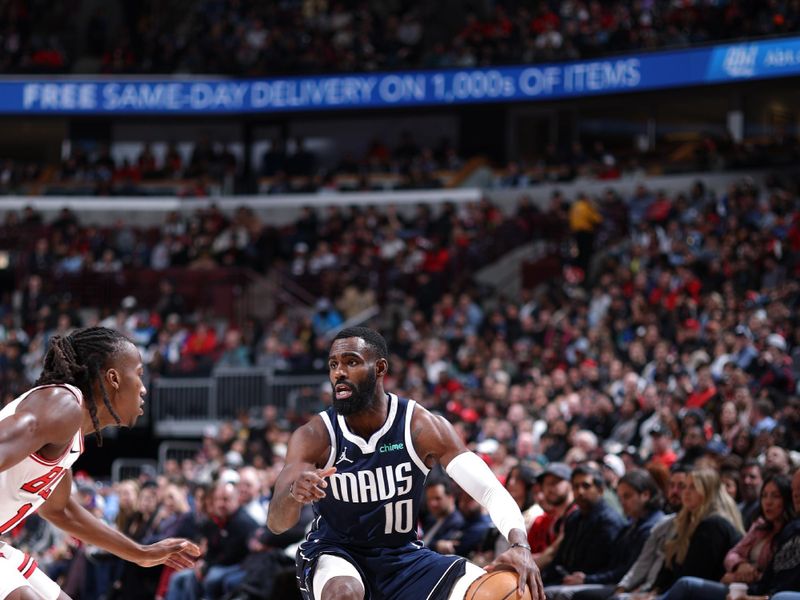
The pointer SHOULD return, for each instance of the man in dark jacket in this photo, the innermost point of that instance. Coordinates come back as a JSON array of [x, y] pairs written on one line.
[[641, 500], [476, 526], [752, 479], [444, 521], [225, 534], [593, 526]]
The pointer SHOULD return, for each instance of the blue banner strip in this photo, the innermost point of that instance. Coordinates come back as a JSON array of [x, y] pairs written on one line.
[[630, 73]]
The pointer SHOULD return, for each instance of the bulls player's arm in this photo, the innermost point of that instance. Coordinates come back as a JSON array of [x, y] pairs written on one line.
[[63, 511], [45, 421], [301, 481], [435, 440]]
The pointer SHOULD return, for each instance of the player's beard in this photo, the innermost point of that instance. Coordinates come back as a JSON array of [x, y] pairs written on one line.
[[359, 399]]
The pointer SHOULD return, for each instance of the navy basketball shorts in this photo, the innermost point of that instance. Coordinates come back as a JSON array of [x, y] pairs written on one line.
[[410, 571]]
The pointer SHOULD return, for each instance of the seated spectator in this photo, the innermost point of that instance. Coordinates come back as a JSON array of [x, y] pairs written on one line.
[[472, 535], [326, 317], [175, 519], [641, 577], [127, 494], [250, 498], [751, 556], [773, 369], [730, 479], [444, 521], [750, 490], [268, 562], [663, 451], [225, 533], [708, 525], [777, 460], [521, 484], [200, 348], [761, 416], [693, 443], [613, 468], [678, 475], [766, 558], [641, 500], [234, 353], [135, 582], [557, 504], [593, 525]]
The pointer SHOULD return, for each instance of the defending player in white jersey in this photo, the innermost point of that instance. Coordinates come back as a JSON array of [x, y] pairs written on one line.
[[91, 379]]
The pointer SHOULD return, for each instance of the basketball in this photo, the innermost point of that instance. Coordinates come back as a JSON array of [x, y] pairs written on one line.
[[498, 585]]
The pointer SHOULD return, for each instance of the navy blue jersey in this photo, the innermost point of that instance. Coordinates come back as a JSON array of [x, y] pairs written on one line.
[[369, 513], [377, 490]]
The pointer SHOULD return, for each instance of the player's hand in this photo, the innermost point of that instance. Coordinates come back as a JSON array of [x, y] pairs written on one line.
[[173, 552], [521, 560], [310, 485]]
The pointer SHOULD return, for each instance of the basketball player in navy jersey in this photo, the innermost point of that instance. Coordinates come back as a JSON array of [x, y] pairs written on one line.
[[363, 464]]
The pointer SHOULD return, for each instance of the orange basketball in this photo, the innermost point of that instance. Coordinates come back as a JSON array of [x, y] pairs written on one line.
[[498, 585]]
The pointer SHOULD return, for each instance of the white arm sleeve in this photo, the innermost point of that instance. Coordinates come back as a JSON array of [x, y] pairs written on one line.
[[476, 478]]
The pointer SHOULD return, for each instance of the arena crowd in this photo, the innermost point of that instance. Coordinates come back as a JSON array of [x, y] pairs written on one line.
[[668, 351], [246, 38]]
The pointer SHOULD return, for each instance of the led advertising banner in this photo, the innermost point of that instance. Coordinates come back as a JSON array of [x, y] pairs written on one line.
[[629, 73]]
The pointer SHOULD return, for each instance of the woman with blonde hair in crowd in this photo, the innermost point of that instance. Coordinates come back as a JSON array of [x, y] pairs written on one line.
[[766, 559], [127, 493], [135, 582], [707, 526], [175, 516]]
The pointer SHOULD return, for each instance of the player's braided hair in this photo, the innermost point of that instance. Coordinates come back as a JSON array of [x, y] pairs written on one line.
[[78, 359]]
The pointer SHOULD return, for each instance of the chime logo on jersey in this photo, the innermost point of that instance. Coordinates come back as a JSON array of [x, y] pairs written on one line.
[[391, 447], [370, 485]]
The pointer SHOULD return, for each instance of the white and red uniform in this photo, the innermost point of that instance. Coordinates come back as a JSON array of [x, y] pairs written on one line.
[[24, 487]]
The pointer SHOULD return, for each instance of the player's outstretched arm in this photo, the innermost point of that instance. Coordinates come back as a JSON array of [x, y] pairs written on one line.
[[63, 511], [435, 440], [48, 416], [301, 481]]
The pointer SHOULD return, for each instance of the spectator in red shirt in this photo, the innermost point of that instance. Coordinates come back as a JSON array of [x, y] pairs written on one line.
[[201, 345], [546, 529], [705, 391], [663, 453]]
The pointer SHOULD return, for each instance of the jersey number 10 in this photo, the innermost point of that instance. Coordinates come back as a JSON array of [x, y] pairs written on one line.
[[399, 517]]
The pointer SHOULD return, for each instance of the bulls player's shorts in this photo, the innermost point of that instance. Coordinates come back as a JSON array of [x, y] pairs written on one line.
[[18, 570], [410, 571]]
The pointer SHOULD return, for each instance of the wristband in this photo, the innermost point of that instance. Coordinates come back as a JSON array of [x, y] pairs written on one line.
[[521, 545]]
